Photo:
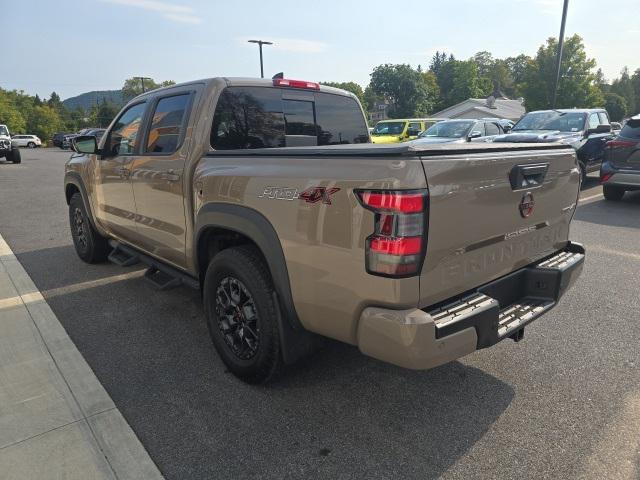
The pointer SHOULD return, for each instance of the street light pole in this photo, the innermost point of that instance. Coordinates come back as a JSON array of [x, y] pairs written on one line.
[[559, 57], [142, 79], [260, 43]]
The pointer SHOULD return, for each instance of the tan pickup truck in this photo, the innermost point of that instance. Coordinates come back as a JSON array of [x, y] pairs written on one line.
[[268, 196]]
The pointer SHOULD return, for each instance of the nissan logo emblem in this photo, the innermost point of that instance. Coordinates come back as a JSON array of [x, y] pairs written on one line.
[[526, 205]]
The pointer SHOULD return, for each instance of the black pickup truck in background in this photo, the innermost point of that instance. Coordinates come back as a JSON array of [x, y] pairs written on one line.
[[586, 130]]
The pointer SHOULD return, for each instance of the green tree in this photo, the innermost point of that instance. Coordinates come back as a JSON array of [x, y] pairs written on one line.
[[44, 121], [102, 114], [624, 86], [352, 87], [577, 86], [10, 115], [408, 91], [133, 87], [616, 106]]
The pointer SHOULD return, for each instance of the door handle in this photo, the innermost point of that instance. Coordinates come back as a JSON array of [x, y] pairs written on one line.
[[170, 175], [528, 175]]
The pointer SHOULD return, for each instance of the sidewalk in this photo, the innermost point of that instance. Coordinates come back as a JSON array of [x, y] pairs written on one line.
[[56, 419]]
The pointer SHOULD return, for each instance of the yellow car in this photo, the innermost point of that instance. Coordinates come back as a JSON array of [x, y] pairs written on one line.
[[401, 129]]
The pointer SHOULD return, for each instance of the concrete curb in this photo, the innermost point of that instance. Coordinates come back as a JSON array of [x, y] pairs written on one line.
[[56, 419]]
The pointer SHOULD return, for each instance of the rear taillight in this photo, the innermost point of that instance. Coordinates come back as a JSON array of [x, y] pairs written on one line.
[[604, 177], [285, 82], [397, 246], [620, 144]]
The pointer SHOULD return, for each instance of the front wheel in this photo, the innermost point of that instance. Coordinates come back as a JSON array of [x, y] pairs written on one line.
[[612, 193], [31, 145], [583, 175], [14, 156], [90, 246], [242, 315]]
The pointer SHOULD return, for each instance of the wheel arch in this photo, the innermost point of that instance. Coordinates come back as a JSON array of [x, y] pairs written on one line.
[[73, 184], [247, 226]]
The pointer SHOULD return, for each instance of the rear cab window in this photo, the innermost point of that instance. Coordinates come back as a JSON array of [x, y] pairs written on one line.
[[267, 117]]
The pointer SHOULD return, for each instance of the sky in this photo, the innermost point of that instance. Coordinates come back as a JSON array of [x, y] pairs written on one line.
[[73, 47]]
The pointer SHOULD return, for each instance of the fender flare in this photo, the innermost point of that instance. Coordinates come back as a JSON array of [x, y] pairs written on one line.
[[73, 178], [296, 341], [255, 226]]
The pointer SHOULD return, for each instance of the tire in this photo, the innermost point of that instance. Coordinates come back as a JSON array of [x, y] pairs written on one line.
[[249, 347], [90, 246], [612, 193], [14, 156], [583, 175], [31, 145]]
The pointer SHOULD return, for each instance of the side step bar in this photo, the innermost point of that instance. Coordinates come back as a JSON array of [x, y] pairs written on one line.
[[161, 275]]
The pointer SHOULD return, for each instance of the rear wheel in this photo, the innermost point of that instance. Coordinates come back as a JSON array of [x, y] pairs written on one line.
[[90, 246], [612, 193], [242, 315]]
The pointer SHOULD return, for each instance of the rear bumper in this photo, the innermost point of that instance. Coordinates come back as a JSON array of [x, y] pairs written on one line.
[[619, 177], [422, 339]]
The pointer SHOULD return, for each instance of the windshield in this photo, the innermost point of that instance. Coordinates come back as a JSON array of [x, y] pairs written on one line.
[[388, 128], [562, 121], [448, 130], [3, 130]]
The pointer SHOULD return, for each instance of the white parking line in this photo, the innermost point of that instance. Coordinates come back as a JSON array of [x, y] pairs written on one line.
[[591, 197]]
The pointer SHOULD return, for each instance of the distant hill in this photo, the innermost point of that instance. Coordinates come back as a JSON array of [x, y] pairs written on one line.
[[89, 99]]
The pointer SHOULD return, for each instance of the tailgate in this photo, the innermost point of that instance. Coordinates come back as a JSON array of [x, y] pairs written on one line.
[[492, 213]]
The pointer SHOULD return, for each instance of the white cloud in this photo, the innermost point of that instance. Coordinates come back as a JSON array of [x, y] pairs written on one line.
[[297, 45], [170, 11]]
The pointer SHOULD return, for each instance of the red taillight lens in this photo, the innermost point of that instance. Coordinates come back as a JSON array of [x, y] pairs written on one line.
[[620, 144], [605, 177], [397, 246], [285, 82], [393, 201]]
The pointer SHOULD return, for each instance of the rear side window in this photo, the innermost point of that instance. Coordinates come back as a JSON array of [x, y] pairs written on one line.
[[166, 124], [604, 119], [631, 129], [258, 117], [248, 117], [492, 128]]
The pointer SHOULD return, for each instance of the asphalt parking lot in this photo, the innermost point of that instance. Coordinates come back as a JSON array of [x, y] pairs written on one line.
[[563, 403]]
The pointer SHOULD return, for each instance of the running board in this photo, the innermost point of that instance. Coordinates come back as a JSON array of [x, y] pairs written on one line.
[[122, 258], [160, 275]]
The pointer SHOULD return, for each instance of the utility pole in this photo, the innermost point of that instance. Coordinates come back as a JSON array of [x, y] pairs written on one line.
[[260, 43], [142, 79], [559, 57]]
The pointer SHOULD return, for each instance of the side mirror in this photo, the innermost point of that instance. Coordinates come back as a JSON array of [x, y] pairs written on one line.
[[507, 128], [412, 132], [475, 134], [85, 144], [600, 129]]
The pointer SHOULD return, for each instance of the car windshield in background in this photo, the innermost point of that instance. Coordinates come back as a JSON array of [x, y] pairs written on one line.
[[3, 130], [562, 121], [388, 128], [448, 130]]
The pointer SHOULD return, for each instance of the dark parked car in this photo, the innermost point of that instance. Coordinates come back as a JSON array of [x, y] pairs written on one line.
[[460, 131], [57, 139], [620, 171], [586, 130]]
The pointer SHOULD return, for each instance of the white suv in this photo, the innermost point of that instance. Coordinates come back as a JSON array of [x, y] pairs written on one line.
[[30, 141]]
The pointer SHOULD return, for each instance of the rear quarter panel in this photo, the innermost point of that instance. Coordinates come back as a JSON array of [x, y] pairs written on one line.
[[323, 244]]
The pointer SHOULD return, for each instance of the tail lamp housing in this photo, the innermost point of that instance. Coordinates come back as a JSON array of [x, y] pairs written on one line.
[[398, 244]]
